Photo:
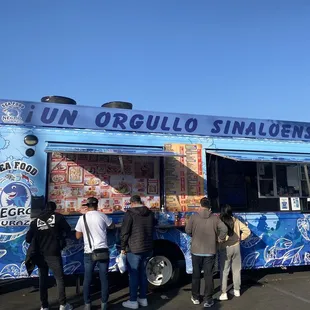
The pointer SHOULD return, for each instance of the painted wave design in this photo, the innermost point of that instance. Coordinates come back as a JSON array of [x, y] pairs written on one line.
[[185, 242], [188, 260], [71, 267], [8, 237], [72, 248], [303, 225], [25, 247], [251, 241], [35, 273], [283, 244], [3, 253], [13, 271], [113, 268], [250, 260], [186, 249], [307, 258], [113, 251], [23, 270], [293, 256], [10, 271]]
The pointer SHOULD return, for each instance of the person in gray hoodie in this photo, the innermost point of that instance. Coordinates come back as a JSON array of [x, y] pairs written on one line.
[[206, 229]]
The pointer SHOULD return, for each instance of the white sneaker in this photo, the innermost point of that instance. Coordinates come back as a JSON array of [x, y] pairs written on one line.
[[43, 308], [142, 302], [237, 293], [195, 301], [223, 297], [66, 307], [130, 304]]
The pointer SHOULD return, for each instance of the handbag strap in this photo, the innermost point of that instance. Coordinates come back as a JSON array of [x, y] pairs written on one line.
[[87, 231]]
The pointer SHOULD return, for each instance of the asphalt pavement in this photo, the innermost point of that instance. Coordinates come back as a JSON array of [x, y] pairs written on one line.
[[261, 290]]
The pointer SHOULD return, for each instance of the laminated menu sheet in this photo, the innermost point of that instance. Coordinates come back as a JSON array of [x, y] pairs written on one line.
[[75, 177], [184, 181]]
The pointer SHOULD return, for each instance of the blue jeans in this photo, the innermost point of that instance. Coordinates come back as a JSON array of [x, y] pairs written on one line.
[[137, 274], [89, 267]]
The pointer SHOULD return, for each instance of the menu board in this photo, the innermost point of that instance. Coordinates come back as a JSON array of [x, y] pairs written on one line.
[[184, 185], [75, 177]]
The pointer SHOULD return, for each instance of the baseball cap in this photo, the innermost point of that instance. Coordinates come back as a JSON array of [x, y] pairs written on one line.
[[91, 201]]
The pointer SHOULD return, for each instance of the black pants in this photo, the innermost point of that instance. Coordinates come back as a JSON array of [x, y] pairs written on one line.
[[205, 263], [54, 263]]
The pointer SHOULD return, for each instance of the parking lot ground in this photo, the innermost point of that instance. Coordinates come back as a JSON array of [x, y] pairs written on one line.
[[262, 290]]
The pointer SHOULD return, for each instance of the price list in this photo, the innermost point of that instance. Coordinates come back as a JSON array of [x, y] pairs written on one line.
[[184, 177]]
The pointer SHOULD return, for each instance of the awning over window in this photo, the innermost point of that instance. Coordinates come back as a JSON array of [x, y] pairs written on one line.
[[107, 150], [262, 156]]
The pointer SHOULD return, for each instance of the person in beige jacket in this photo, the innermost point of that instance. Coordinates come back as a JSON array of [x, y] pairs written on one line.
[[230, 254]]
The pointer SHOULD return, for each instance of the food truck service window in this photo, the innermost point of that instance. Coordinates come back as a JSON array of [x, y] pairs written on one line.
[[280, 181], [78, 173]]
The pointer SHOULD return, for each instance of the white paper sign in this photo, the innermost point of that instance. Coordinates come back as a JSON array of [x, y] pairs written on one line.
[[284, 204], [295, 202]]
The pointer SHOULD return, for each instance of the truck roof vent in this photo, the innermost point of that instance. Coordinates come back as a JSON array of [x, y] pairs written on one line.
[[58, 99], [118, 105]]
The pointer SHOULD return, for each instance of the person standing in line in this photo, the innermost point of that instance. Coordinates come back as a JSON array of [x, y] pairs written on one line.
[[230, 254], [48, 230], [206, 229], [98, 223], [137, 243]]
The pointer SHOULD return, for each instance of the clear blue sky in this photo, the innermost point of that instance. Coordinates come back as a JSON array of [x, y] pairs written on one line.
[[233, 57]]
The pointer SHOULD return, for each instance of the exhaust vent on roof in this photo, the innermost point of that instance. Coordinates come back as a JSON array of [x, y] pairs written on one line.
[[58, 99], [118, 105]]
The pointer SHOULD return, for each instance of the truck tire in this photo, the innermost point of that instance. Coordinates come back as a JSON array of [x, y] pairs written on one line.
[[162, 271]]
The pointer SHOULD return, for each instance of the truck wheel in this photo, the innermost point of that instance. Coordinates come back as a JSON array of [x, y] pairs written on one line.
[[162, 271]]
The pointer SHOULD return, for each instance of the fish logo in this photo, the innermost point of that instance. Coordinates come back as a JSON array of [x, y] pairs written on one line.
[[12, 112], [16, 195]]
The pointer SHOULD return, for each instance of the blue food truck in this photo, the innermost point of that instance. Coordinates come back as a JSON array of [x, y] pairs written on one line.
[[60, 151]]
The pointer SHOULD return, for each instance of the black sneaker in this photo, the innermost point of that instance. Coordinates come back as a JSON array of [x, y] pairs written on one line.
[[208, 303]]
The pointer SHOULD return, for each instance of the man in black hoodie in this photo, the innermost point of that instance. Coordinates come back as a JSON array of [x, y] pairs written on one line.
[[137, 243], [48, 230]]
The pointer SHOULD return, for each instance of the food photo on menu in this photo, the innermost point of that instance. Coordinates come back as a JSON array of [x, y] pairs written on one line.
[[74, 178], [75, 174], [59, 166], [117, 205]]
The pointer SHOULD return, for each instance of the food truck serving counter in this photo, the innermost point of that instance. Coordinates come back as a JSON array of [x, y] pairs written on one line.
[[67, 153]]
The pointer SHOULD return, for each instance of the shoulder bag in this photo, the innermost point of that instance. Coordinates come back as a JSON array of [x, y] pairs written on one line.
[[100, 255]]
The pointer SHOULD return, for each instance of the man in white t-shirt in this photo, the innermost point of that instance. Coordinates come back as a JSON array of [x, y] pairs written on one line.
[[97, 223]]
